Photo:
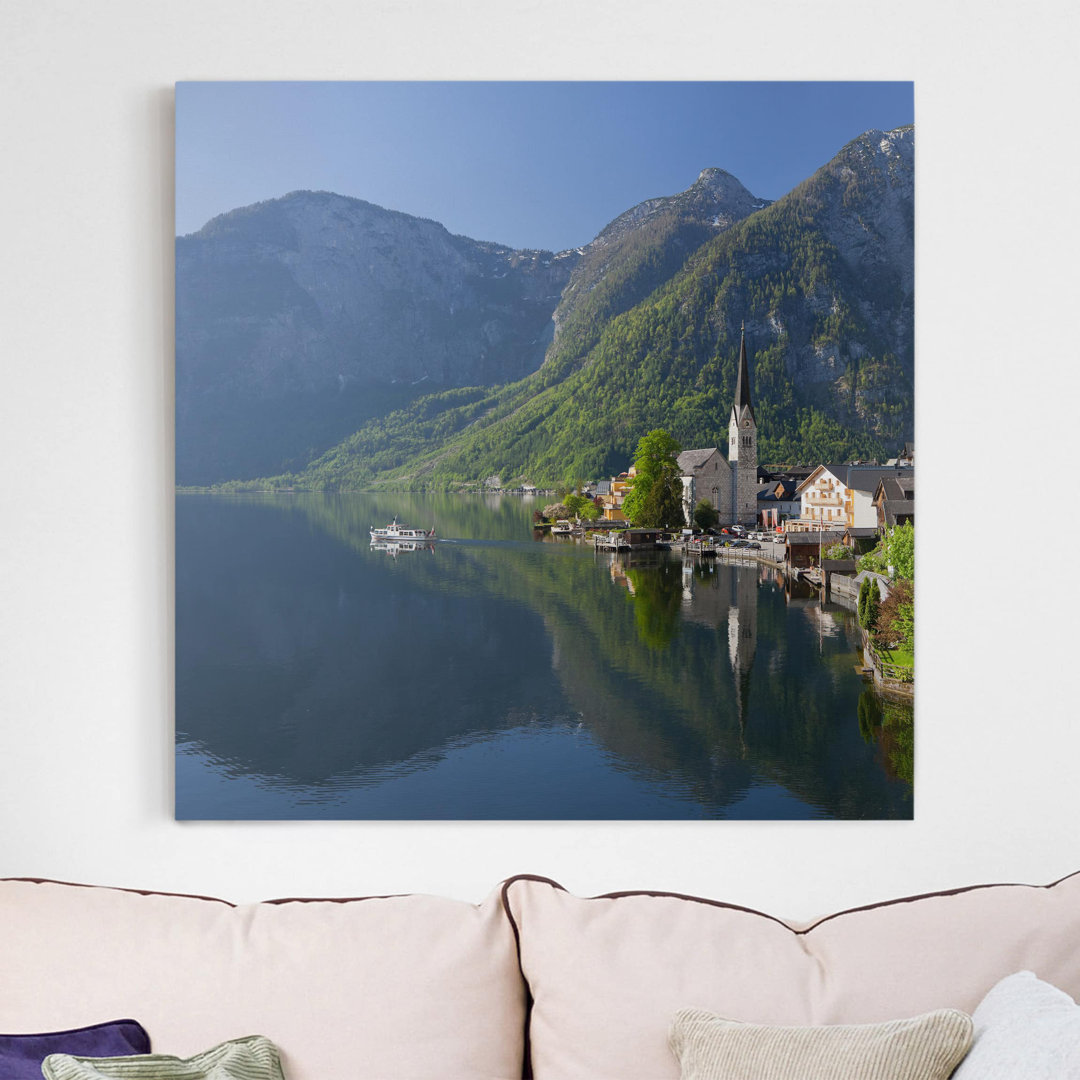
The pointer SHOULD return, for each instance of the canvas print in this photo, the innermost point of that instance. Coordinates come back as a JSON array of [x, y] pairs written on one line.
[[544, 450]]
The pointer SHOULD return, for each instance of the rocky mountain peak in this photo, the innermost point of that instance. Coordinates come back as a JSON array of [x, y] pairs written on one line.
[[719, 182]]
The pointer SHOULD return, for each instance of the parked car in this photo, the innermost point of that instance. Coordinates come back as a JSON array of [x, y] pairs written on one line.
[[754, 544]]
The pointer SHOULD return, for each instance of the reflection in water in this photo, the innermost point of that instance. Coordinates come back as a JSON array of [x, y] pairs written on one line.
[[397, 547], [657, 597], [499, 677], [890, 725]]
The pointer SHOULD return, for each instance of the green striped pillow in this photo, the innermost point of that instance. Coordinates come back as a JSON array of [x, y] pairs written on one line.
[[250, 1058]]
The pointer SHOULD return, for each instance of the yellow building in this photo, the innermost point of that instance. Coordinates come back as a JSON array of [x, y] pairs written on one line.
[[613, 501]]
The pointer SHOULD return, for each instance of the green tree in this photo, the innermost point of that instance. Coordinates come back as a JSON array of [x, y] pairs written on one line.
[[705, 515], [581, 506], [574, 504], [868, 603], [656, 496], [900, 550], [662, 507]]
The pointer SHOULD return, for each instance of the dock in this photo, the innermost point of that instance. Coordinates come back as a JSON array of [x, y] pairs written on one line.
[[611, 543]]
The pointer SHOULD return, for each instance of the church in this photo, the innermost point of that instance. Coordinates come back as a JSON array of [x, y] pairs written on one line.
[[731, 484]]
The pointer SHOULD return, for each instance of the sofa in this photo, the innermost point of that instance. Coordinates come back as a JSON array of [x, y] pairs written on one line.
[[532, 982]]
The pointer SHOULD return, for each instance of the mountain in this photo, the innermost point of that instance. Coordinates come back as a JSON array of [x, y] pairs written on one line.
[[640, 250], [299, 318], [328, 343], [648, 331]]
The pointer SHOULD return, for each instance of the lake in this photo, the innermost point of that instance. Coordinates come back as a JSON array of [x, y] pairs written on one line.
[[498, 675]]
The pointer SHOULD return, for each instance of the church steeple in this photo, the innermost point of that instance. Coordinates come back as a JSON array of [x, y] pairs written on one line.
[[742, 445], [742, 385]]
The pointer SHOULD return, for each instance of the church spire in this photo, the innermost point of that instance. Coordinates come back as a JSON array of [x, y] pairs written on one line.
[[742, 386]]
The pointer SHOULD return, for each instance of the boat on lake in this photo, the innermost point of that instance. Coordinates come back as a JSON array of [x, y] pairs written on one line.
[[396, 531]]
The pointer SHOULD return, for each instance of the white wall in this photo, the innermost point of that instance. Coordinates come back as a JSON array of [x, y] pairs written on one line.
[[86, 438]]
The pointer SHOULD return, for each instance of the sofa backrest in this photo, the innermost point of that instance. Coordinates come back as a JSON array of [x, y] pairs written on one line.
[[367, 989], [607, 974], [388, 988]]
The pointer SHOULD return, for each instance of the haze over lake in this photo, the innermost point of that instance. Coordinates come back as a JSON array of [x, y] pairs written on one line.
[[498, 676]]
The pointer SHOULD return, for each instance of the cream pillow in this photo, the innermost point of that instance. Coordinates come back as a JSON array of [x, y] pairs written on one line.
[[926, 1047], [250, 1058]]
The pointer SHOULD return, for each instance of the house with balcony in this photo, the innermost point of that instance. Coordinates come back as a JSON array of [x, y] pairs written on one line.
[[842, 496]]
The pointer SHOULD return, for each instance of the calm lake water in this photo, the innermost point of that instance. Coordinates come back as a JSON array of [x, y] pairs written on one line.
[[498, 676]]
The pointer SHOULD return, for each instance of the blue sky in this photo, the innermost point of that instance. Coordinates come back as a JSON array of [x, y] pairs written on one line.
[[529, 164]]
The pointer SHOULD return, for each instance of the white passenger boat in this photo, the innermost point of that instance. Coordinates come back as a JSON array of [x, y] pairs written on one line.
[[396, 531]]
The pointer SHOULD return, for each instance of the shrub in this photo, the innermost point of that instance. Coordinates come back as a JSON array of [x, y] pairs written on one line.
[[896, 618], [838, 551], [874, 560]]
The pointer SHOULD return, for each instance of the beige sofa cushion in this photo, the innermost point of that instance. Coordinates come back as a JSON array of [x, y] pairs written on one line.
[[391, 987], [607, 975], [926, 1047]]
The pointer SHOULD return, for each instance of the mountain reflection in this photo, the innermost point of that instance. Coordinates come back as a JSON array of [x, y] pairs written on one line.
[[309, 660]]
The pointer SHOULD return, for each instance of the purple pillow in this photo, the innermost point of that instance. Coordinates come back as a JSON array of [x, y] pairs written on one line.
[[21, 1055]]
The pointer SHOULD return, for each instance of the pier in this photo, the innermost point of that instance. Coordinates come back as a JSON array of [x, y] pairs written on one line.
[[611, 543]]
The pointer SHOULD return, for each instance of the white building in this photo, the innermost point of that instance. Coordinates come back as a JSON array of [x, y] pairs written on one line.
[[842, 496]]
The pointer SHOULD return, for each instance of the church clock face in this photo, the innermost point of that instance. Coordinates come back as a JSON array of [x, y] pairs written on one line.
[[746, 423]]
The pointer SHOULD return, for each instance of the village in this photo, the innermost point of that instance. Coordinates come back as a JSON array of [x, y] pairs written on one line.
[[825, 527], [730, 504], [833, 527], [802, 508]]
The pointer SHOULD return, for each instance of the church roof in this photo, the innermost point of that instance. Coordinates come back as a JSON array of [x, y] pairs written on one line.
[[691, 460]]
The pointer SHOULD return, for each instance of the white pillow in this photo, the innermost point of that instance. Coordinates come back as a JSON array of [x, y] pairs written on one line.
[[1024, 1027]]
